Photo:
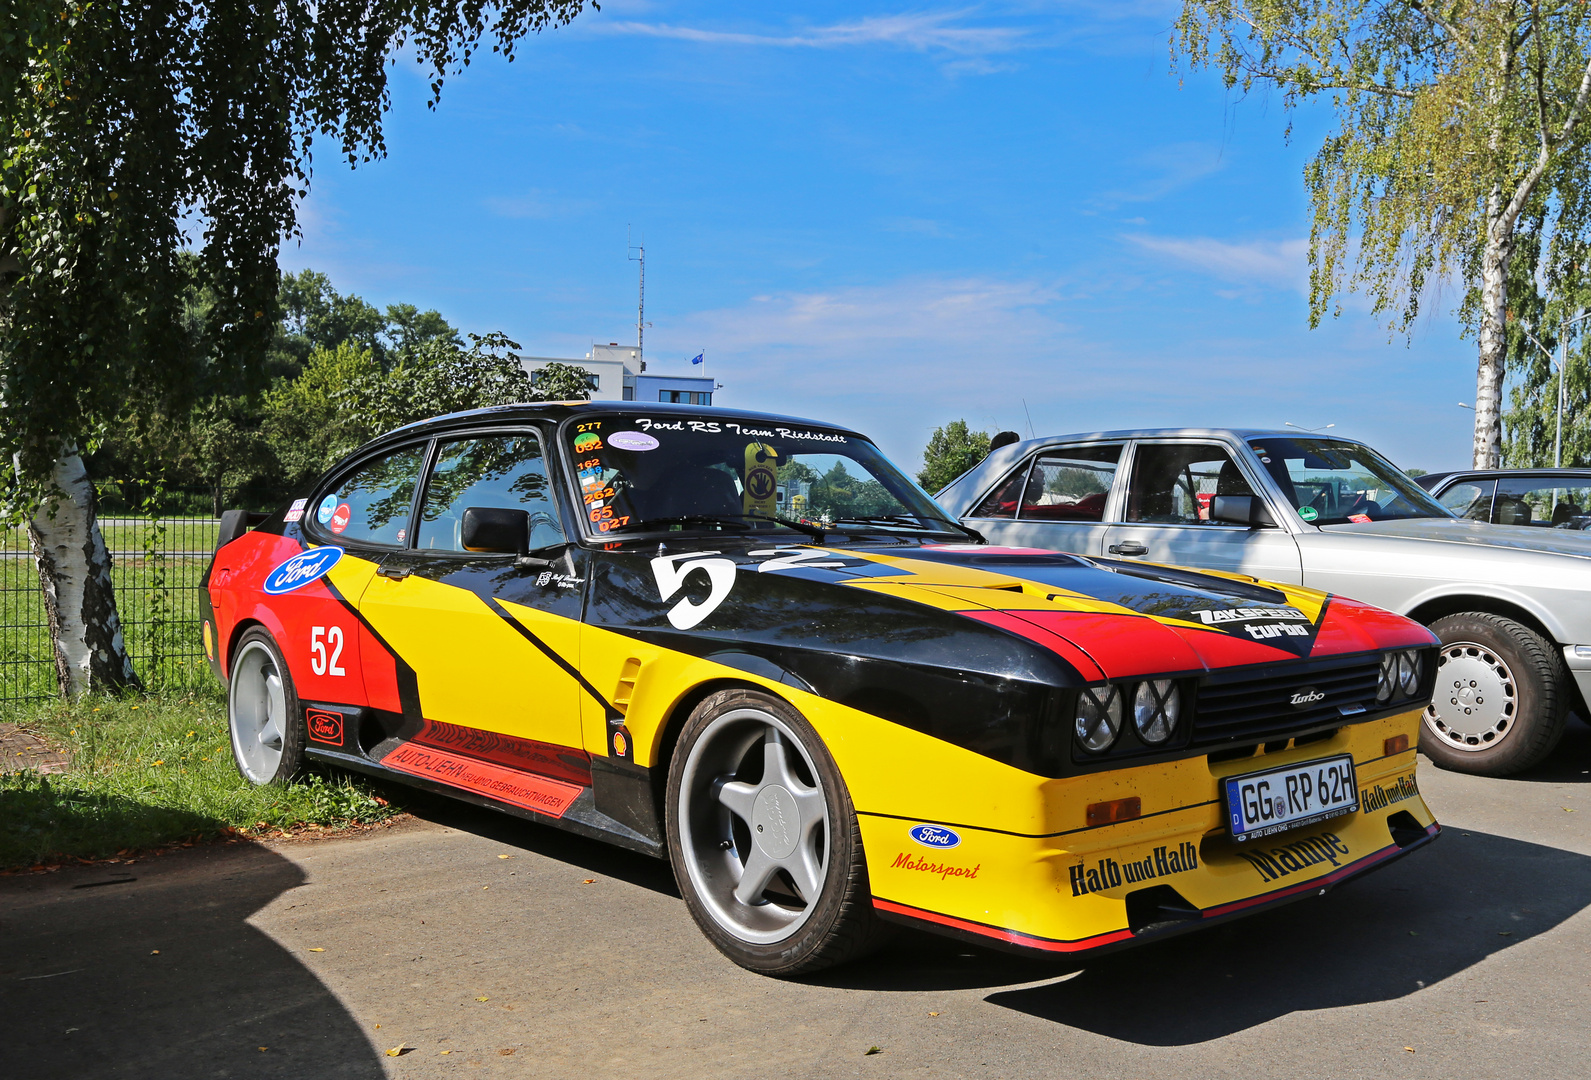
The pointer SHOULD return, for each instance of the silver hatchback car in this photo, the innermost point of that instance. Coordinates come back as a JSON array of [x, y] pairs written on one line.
[[1512, 605]]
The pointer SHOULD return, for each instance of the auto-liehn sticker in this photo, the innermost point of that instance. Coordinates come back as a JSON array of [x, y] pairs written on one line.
[[301, 569], [323, 512], [632, 440], [934, 836]]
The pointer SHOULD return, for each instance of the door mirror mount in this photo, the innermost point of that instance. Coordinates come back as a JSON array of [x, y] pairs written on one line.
[[1247, 510], [501, 531]]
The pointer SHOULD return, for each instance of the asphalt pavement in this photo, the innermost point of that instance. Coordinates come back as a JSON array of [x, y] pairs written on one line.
[[478, 945]]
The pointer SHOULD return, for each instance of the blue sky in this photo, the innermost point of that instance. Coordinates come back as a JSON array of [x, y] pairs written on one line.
[[889, 217]]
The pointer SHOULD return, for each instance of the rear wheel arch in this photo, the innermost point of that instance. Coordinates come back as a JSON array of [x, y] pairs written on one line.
[[242, 627]]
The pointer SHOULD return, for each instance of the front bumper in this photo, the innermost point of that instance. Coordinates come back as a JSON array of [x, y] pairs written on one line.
[[1171, 870]]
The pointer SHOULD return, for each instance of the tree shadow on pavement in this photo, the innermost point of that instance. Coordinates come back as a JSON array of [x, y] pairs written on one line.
[[1420, 921], [85, 992]]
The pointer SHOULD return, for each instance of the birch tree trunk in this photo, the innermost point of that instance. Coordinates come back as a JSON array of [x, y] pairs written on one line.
[[74, 576], [1493, 339]]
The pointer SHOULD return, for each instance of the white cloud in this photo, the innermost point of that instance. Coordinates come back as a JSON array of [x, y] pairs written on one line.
[[938, 31], [535, 204], [1276, 263]]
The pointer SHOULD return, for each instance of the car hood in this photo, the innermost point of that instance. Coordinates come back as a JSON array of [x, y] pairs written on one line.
[[1475, 534], [1116, 619]]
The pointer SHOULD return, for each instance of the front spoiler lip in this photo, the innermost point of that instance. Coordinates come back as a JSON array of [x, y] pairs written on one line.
[[1028, 944]]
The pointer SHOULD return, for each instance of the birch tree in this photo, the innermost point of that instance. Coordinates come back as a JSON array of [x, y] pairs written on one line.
[[129, 127], [1453, 118]]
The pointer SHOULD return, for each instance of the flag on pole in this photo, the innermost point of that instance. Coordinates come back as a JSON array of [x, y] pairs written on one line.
[[698, 358]]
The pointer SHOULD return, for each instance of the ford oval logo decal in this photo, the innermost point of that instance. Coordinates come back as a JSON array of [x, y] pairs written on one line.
[[935, 836], [301, 569]]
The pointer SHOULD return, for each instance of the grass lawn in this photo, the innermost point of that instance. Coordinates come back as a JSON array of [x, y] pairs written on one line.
[[154, 770]]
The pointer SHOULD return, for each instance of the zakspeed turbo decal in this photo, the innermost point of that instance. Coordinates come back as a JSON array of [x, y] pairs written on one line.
[[302, 569], [1107, 873], [1261, 623], [539, 793]]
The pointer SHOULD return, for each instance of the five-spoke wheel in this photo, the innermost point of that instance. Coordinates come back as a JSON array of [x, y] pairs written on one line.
[[763, 838], [262, 711]]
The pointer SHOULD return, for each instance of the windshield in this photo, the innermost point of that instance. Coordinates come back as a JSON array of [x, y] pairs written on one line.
[[674, 473], [1330, 482]]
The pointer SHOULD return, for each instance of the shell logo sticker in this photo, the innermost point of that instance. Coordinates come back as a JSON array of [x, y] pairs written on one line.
[[302, 569], [935, 836]]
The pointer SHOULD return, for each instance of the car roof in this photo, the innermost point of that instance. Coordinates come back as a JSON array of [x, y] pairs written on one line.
[[1487, 474], [557, 411], [1184, 432]]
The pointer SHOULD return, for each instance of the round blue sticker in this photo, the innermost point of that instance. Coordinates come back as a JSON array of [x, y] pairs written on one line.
[[935, 836], [301, 569], [327, 507]]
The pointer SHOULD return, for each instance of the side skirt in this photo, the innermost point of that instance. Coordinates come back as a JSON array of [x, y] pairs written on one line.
[[581, 816]]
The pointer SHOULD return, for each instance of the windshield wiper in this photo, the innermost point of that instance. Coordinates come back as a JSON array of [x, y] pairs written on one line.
[[901, 520]]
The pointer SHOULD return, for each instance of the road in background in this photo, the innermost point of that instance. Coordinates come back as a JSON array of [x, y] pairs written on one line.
[[568, 958]]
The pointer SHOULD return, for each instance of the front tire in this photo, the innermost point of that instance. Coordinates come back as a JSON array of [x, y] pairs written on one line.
[[263, 712], [764, 841], [1501, 700]]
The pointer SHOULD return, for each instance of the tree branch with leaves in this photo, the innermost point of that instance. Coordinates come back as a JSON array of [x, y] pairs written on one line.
[[1453, 120]]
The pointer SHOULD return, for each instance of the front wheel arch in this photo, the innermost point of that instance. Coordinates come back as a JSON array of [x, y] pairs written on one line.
[[1441, 607], [673, 723]]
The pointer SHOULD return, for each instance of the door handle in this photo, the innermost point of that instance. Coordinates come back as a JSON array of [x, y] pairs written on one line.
[[394, 573], [1128, 547]]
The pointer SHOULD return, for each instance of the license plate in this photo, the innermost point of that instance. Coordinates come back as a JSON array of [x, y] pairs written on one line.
[[1263, 803]]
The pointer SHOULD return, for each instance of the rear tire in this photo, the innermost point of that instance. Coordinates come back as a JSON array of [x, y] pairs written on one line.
[[1501, 700], [263, 713], [764, 841]]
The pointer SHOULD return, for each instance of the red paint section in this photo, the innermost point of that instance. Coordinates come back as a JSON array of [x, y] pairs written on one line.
[[1125, 645], [380, 671], [1350, 626], [538, 793], [1079, 659], [1219, 649], [1013, 937], [525, 755]]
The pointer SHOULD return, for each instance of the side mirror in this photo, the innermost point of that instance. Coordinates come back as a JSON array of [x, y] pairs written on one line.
[[1247, 510], [497, 530]]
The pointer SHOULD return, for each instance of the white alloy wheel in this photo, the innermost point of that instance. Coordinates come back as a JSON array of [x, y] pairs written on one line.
[[1476, 700], [257, 709]]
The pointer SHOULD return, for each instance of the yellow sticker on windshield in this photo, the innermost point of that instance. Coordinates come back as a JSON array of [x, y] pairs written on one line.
[[762, 480]]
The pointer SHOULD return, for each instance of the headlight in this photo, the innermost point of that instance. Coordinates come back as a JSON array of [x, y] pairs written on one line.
[[1408, 673], [1388, 680], [1098, 718], [1155, 708]]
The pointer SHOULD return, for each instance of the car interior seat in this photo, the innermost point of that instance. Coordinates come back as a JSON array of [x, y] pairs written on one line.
[[1512, 511], [704, 491], [1564, 514]]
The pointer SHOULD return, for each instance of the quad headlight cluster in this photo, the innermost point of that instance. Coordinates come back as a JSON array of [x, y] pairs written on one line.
[[1154, 707], [1402, 675]]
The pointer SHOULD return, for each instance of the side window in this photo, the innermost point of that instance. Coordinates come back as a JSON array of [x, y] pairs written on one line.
[[1175, 483], [1471, 499], [1521, 501], [1071, 485], [500, 471], [1002, 501], [372, 504]]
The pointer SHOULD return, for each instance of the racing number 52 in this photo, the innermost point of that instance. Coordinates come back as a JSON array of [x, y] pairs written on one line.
[[319, 662]]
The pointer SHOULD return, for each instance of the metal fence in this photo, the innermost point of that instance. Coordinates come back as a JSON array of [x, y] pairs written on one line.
[[156, 564]]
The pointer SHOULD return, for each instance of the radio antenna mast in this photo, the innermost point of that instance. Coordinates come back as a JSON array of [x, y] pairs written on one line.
[[639, 256]]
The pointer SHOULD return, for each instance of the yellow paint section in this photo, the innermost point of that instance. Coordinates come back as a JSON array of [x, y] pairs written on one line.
[[472, 667]]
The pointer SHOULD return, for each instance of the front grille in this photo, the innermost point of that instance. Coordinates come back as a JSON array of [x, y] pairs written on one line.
[[1255, 704]]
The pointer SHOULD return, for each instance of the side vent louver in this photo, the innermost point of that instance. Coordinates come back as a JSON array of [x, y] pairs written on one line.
[[626, 688]]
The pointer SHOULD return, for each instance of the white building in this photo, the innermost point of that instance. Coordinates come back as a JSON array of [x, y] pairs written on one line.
[[618, 374]]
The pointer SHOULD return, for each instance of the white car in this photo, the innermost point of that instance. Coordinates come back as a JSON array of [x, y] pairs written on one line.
[[1511, 604]]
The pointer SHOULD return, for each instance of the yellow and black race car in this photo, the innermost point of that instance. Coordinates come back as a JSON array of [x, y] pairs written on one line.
[[750, 645]]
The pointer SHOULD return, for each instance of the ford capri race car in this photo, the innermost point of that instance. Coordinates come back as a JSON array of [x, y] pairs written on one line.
[[750, 645]]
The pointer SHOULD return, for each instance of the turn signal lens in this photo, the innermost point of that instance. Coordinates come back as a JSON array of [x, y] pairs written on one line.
[[1098, 720], [1395, 745], [1103, 813], [1155, 708]]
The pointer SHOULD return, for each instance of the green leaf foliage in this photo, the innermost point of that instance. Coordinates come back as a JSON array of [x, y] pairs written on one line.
[[951, 451], [133, 129]]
